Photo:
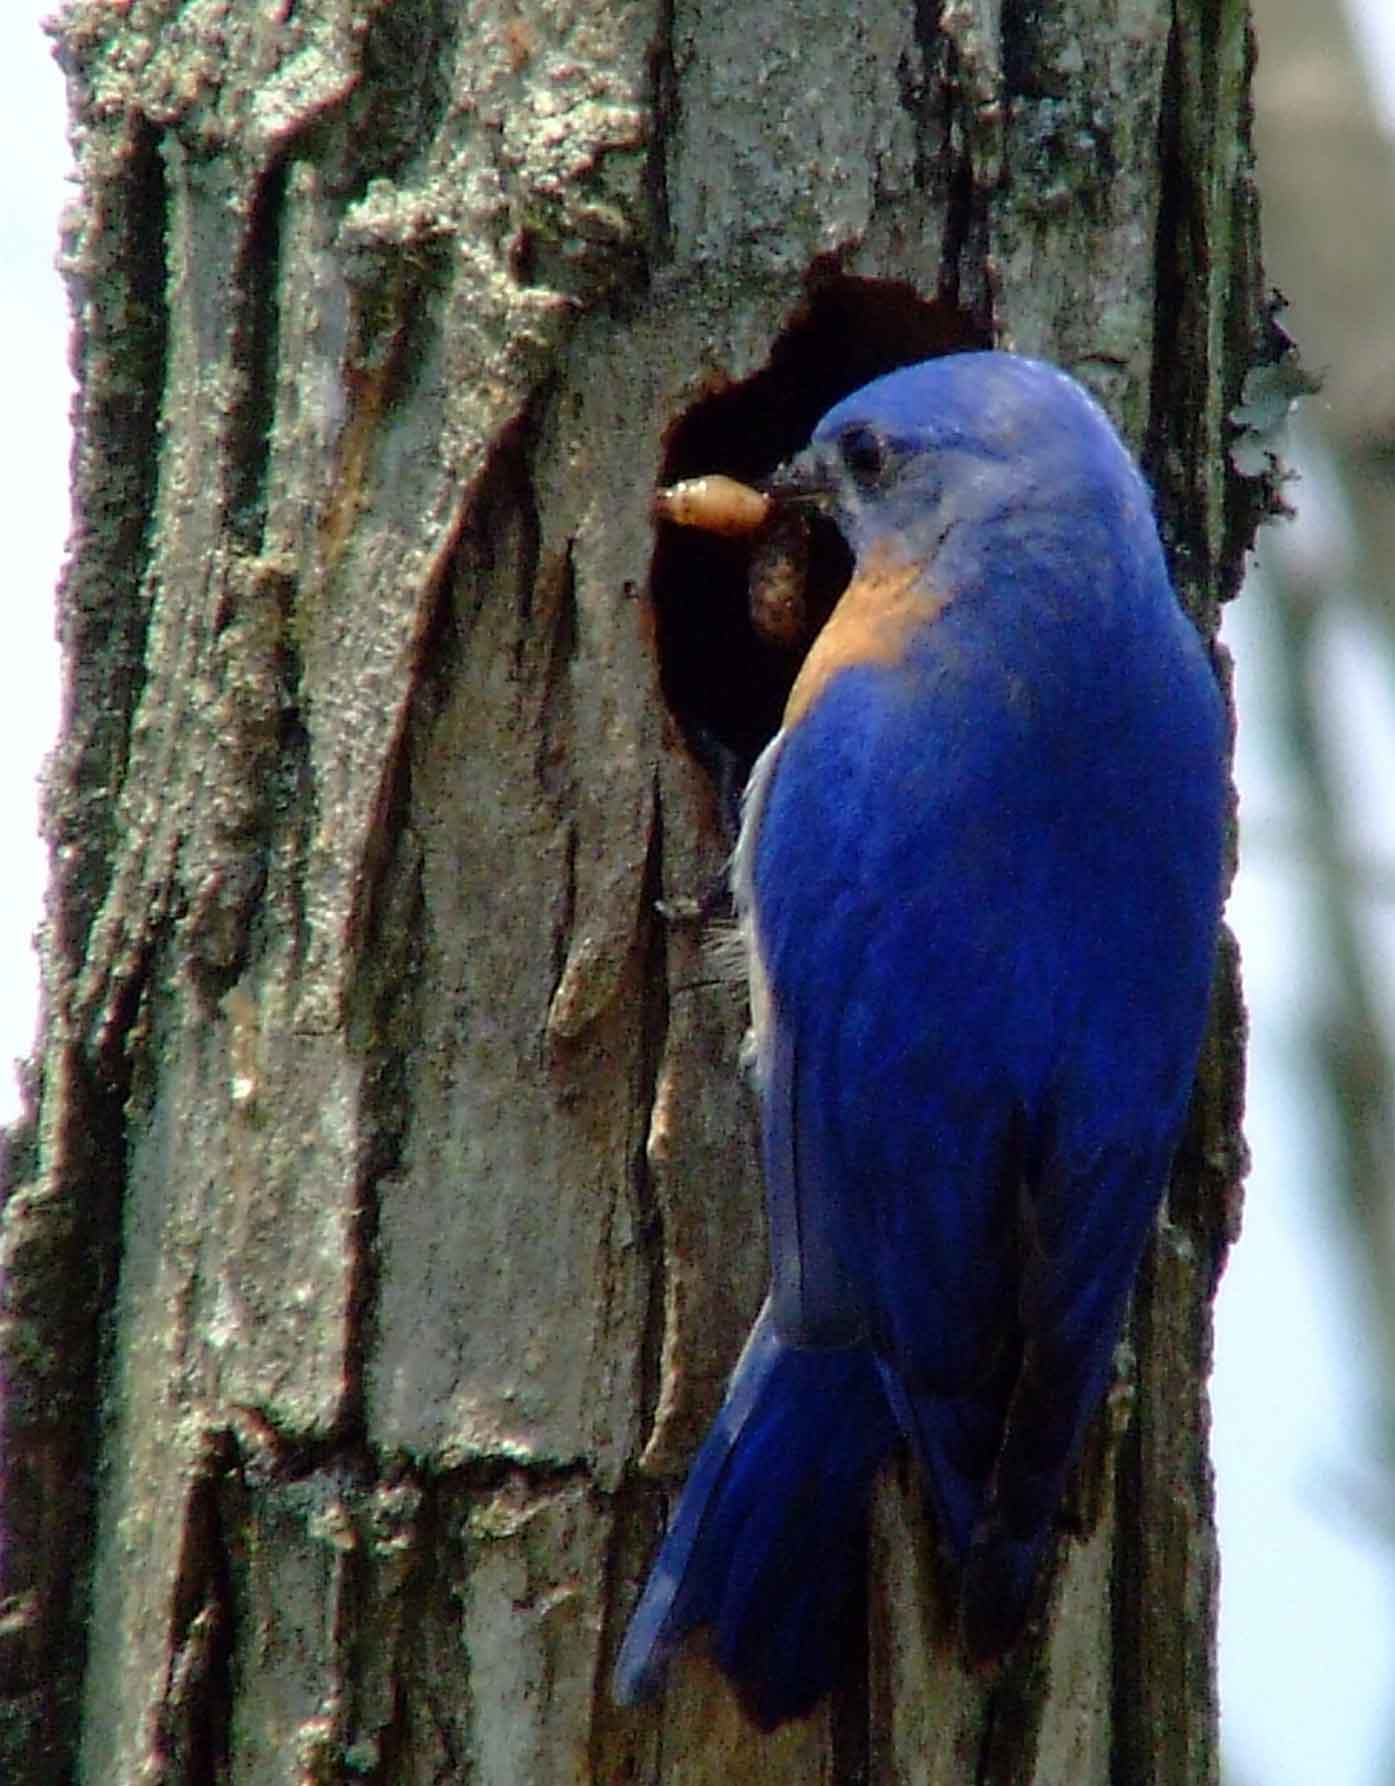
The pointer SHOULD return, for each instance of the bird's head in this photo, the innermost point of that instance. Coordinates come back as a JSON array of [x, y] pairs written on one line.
[[938, 450]]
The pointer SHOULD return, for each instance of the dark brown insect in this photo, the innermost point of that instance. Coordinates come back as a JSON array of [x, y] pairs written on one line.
[[779, 570]]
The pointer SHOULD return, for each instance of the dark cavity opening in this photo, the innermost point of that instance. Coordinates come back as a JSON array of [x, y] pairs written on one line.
[[724, 682]]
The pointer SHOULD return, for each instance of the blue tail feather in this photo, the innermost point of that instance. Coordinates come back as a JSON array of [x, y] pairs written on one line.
[[768, 1543]]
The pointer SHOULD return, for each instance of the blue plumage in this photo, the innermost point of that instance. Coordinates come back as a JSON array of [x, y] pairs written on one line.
[[980, 873]]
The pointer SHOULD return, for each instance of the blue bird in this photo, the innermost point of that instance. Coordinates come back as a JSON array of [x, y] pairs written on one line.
[[979, 879]]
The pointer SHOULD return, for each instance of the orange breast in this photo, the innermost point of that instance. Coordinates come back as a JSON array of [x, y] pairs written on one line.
[[887, 600]]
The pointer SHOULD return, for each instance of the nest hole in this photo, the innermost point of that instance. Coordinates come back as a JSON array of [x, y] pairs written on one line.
[[725, 683]]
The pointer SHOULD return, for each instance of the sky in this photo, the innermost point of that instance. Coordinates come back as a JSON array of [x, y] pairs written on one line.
[[1373, 22], [1308, 1619], [1307, 1654]]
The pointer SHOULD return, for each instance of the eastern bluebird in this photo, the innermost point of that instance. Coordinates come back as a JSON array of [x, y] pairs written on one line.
[[979, 879]]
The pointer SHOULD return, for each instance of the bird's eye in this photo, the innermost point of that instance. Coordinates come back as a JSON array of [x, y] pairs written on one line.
[[865, 457]]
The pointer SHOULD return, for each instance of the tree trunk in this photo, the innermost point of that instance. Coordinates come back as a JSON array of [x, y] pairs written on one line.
[[389, 1215]]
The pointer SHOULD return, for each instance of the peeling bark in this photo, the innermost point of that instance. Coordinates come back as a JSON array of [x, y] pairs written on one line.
[[389, 1214]]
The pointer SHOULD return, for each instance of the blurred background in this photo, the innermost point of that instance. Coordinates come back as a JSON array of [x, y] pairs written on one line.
[[1304, 1387]]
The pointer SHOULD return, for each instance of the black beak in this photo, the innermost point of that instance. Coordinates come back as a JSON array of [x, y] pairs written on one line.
[[801, 482]]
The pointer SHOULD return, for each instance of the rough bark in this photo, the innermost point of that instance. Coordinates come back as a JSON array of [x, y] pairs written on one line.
[[389, 1215]]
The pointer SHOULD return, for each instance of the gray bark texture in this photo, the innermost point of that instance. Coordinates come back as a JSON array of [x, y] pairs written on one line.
[[388, 1214]]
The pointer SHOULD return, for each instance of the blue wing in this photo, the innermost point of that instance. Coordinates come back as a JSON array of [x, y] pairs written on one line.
[[989, 972]]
